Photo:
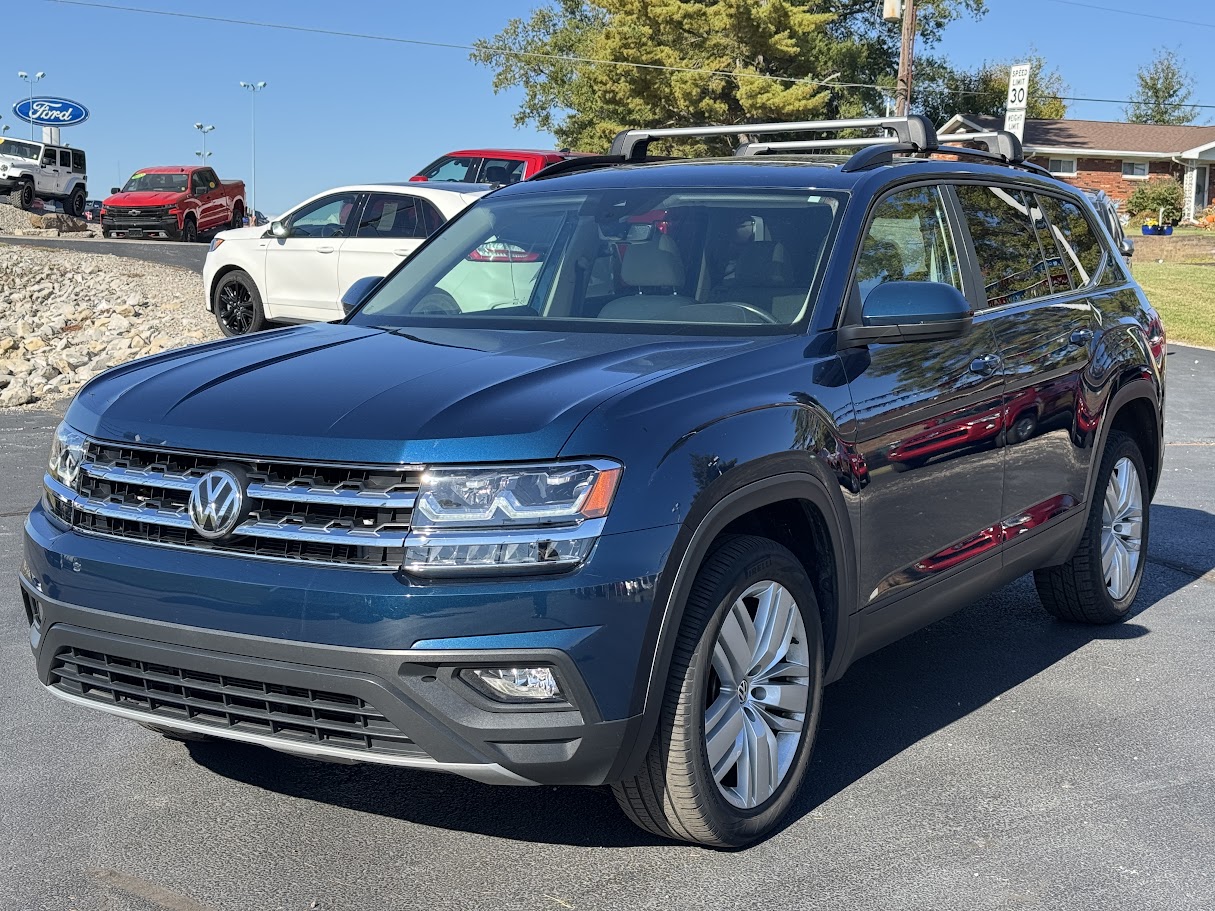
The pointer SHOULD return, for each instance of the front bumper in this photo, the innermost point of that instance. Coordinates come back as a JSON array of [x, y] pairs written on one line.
[[349, 665], [126, 226]]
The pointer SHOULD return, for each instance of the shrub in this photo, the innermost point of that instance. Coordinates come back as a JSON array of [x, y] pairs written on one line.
[[1159, 193]]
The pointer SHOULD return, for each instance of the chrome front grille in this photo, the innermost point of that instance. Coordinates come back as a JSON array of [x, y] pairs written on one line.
[[349, 515]]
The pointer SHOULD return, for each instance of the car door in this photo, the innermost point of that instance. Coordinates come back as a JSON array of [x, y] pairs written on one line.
[[1038, 256], [390, 227], [927, 419], [212, 211], [65, 170], [302, 267], [48, 178]]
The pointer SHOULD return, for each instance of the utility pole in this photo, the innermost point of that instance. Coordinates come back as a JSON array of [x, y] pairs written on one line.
[[906, 50]]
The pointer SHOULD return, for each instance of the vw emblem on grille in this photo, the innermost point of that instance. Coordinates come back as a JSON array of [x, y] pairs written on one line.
[[216, 504]]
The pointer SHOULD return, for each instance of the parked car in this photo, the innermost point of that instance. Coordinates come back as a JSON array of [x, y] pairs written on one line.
[[92, 211], [622, 528], [1107, 211], [176, 203], [491, 166], [299, 267], [38, 171]]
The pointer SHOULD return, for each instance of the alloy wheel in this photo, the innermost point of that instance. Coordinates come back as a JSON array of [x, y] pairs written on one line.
[[1121, 529], [235, 308], [758, 694]]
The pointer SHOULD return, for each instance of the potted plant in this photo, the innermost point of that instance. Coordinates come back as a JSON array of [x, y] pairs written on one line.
[[1151, 226]]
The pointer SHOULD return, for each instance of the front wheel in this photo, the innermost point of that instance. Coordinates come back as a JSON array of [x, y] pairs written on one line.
[[189, 231], [238, 217], [742, 702], [1099, 583], [238, 304], [22, 196]]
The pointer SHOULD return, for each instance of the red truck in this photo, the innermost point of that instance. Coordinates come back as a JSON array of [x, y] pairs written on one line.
[[179, 203], [493, 166]]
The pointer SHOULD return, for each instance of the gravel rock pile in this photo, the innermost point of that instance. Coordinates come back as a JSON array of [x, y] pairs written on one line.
[[65, 317]]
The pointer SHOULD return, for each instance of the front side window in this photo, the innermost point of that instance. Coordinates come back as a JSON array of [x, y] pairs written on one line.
[[461, 169], [908, 240], [388, 215], [326, 217], [200, 182], [1062, 167], [666, 258], [1010, 258], [1135, 169], [49, 158]]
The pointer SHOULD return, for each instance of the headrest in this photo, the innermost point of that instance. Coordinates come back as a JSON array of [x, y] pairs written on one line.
[[653, 264]]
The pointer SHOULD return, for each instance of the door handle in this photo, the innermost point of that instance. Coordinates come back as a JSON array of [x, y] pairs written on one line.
[[1081, 337], [324, 249], [986, 365], [401, 251]]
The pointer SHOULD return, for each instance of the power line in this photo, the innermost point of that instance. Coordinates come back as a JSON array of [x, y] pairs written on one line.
[[1127, 12], [569, 58]]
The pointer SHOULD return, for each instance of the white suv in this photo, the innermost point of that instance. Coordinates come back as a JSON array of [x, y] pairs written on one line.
[[298, 269], [30, 170]]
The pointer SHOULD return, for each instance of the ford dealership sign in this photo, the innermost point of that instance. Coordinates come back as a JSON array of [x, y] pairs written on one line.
[[51, 112]]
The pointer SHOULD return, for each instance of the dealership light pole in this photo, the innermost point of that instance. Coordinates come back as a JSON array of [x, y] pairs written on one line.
[[204, 129], [37, 77], [253, 88]]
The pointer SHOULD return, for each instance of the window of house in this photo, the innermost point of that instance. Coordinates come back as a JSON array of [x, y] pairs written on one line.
[[1002, 228], [1135, 169], [1062, 167]]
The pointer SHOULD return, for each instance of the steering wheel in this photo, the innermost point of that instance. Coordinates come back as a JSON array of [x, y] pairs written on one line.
[[437, 302], [764, 315]]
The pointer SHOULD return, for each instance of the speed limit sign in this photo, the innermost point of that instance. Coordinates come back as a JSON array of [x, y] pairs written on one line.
[[1018, 92]]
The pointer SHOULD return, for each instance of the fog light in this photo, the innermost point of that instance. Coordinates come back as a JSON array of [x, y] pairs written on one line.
[[515, 684]]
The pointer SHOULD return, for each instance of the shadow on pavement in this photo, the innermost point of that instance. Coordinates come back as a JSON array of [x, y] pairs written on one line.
[[886, 703]]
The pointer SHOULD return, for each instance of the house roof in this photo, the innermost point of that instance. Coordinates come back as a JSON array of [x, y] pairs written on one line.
[[1094, 135]]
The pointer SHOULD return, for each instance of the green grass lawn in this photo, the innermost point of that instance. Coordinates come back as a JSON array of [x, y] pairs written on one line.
[[1185, 296]]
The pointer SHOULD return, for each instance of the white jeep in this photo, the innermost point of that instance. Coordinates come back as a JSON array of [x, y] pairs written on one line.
[[30, 170]]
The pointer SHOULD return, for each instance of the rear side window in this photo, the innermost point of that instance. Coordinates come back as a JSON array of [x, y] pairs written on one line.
[[1077, 239], [1010, 258], [501, 170], [390, 215], [65, 158], [908, 240]]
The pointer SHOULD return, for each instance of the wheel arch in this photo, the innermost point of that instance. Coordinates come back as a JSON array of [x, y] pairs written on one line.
[[781, 508], [222, 271], [1134, 409]]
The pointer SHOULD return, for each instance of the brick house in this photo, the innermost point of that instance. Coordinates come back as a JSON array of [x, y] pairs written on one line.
[[1112, 156]]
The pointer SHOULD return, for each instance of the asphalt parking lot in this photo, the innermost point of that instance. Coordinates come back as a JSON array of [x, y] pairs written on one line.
[[996, 760], [166, 252]]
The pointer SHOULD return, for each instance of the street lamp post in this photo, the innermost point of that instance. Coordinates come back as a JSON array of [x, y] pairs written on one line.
[[204, 129], [37, 77], [253, 88]]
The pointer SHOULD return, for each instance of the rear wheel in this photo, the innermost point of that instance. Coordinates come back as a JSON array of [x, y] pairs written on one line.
[[1099, 583], [22, 196], [741, 705], [238, 304], [74, 204]]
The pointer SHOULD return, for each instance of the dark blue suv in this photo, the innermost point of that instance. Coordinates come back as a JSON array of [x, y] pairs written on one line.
[[608, 480]]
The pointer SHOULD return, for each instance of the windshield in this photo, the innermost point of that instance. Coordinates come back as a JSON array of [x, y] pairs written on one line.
[[703, 257], [18, 149], [175, 183]]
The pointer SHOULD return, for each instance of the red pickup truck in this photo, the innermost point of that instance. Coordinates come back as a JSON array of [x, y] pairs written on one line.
[[180, 203]]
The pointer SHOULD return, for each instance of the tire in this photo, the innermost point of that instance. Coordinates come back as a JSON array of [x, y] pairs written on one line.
[[237, 304], [238, 218], [1084, 589], [74, 204], [23, 196], [677, 794], [189, 230], [106, 234]]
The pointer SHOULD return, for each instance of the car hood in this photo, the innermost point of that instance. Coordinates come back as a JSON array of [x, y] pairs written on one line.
[[253, 232], [146, 198], [358, 394]]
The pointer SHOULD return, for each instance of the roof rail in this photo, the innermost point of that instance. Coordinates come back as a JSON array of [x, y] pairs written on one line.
[[913, 129]]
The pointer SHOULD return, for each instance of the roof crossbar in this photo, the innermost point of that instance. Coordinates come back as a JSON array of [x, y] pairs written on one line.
[[998, 142], [749, 149], [913, 129]]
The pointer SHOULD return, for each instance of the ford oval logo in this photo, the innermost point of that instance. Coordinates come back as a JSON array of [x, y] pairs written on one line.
[[51, 112]]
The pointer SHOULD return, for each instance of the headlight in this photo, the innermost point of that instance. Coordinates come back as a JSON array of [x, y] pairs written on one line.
[[215, 242], [529, 518], [67, 452]]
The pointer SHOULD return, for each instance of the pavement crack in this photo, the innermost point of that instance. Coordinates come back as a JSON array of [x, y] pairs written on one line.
[[1197, 575], [147, 890]]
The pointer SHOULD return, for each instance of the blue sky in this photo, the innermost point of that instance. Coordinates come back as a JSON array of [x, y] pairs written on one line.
[[341, 110]]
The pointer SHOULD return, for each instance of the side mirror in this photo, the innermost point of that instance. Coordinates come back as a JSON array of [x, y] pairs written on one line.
[[359, 292], [910, 312], [115, 190], [278, 229], [1126, 247]]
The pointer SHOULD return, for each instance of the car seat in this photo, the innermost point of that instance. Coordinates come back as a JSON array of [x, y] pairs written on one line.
[[655, 269]]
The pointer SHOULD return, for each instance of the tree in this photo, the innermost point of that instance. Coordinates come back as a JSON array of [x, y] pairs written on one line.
[[689, 62], [1164, 92], [940, 91]]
